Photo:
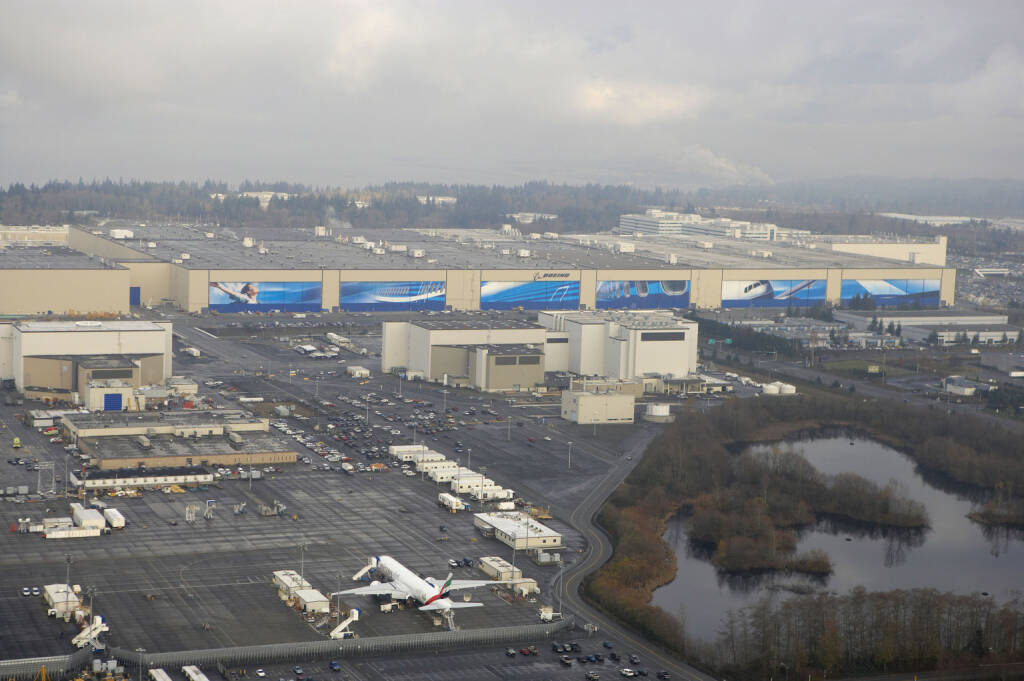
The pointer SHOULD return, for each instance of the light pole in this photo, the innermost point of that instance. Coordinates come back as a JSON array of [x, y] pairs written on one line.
[[399, 385], [469, 457], [444, 401], [302, 561], [595, 424], [570, 454], [140, 651]]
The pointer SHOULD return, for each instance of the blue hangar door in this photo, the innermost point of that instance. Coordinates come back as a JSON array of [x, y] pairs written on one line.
[[134, 295], [112, 402]]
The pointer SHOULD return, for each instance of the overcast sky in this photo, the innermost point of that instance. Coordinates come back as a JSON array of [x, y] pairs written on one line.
[[675, 93]]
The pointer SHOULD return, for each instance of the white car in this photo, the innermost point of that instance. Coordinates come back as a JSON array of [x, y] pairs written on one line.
[[260, 673]]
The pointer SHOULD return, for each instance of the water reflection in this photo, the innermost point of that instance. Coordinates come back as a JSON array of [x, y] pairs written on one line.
[[898, 540], [954, 554]]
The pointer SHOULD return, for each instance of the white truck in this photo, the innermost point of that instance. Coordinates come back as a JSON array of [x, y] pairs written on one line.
[[191, 352]]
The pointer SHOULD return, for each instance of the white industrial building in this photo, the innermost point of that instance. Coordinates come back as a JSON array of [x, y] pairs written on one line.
[[517, 530], [68, 360], [987, 334], [597, 407], [626, 345], [513, 355]]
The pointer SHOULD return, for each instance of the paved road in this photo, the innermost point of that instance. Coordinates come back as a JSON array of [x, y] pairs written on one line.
[[600, 552]]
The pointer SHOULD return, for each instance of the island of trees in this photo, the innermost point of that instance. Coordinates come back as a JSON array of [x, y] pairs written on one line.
[[747, 507]]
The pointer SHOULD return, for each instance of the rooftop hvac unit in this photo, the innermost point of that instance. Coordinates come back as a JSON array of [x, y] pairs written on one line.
[[248, 242], [176, 261], [209, 235], [185, 256], [151, 244]]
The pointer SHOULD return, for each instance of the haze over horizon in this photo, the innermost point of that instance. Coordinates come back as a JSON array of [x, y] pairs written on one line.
[[350, 94]]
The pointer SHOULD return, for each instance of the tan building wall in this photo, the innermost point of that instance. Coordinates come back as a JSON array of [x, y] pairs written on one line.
[[43, 372], [462, 289], [448, 360], [918, 253], [85, 291], [260, 426], [226, 459], [508, 376], [153, 279]]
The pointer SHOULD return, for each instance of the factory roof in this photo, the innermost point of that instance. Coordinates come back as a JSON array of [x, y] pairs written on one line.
[[187, 418], [968, 328], [516, 524], [486, 249], [20, 256], [118, 473], [88, 325], [127, 447]]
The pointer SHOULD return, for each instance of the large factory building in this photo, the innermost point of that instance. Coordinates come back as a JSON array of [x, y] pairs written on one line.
[[107, 271]]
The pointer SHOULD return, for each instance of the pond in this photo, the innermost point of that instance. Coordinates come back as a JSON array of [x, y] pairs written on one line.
[[955, 554]]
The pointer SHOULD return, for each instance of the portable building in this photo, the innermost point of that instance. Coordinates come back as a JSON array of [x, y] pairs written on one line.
[[114, 517], [312, 600], [88, 518]]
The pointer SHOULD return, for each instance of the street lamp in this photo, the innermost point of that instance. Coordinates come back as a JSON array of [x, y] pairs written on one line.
[[595, 423], [469, 457], [140, 651], [570, 454], [444, 401], [302, 562]]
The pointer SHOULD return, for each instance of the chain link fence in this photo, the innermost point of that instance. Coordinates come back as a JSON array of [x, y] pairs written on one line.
[[64, 666], [355, 647]]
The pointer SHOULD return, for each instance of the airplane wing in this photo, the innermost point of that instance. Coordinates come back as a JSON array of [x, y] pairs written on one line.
[[793, 290], [381, 589], [471, 583], [445, 604]]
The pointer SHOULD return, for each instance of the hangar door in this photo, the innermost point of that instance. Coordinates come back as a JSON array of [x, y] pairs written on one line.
[[134, 295], [112, 402]]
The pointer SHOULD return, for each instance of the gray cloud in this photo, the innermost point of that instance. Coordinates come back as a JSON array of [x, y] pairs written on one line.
[[662, 93]]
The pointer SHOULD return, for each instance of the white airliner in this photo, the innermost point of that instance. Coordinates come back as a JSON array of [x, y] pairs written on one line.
[[402, 584]]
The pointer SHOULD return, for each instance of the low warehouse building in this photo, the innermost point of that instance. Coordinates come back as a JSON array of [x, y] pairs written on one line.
[[61, 598], [517, 530], [586, 407], [176, 439], [499, 568], [311, 600], [289, 583], [136, 477]]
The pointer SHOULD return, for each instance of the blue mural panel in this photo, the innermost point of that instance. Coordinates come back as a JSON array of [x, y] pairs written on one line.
[[892, 292], [773, 293], [530, 295], [642, 295], [391, 295], [260, 296]]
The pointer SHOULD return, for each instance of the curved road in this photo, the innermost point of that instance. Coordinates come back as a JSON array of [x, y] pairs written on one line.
[[599, 551]]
